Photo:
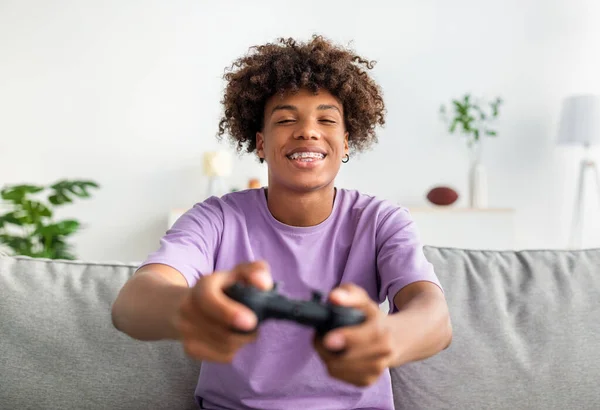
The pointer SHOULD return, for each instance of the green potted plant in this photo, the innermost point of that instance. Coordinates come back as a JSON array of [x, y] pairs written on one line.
[[27, 225], [473, 119]]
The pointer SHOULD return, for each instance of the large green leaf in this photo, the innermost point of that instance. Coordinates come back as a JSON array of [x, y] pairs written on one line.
[[60, 250], [67, 227], [21, 246], [65, 188], [11, 218], [80, 188], [62, 228], [453, 125], [34, 212], [59, 198], [16, 193]]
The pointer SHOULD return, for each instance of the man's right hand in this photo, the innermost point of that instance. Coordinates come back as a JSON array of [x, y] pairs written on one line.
[[207, 319]]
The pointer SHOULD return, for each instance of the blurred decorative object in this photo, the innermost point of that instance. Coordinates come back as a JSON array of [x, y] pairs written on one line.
[[217, 165], [472, 119], [254, 183], [580, 125], [442, 195], [28, 228]]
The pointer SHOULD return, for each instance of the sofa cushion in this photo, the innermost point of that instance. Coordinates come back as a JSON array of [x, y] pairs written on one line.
[[59, 350], [526, 333]]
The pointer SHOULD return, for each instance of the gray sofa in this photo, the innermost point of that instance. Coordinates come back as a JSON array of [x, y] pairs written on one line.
[[526, 336]]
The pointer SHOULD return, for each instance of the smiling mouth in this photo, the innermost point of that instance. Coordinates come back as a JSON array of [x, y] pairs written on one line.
[[306, 156]]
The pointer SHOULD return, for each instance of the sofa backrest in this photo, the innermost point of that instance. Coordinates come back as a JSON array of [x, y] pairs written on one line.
[[526, 333], [526, 336], [59, 349]]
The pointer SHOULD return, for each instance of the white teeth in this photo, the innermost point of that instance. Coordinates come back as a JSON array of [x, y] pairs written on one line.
[[307, 155]]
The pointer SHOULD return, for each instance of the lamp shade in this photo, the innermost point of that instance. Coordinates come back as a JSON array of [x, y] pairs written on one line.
[[217, 164], [580, 120]]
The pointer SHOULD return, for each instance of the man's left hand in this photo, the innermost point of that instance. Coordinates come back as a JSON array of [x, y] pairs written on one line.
[[358, 354]]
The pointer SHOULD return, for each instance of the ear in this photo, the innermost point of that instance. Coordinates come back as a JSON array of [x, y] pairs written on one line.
[[346, 148], [260, 145]]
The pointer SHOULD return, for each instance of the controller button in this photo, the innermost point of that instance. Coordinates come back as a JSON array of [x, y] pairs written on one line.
[[296, 311]]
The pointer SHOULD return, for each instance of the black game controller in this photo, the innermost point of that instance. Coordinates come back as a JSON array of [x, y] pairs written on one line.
[[323, 316]]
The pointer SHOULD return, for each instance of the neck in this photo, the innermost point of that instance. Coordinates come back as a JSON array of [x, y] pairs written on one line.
[[296, 208]]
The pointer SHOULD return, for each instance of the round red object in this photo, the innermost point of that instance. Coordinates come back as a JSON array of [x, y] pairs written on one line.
[[442, 195]]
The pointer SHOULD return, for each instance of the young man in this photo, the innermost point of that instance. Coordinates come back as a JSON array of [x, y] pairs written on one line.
[[303, 108]]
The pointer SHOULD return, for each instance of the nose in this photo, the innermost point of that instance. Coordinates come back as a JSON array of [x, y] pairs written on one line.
[[307, 130]]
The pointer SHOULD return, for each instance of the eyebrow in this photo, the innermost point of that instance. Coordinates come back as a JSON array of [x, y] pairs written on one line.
[[284, 107], [328, 107], [294, 108]]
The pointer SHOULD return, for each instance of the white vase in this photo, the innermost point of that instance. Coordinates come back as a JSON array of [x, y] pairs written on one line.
[[478, 189]]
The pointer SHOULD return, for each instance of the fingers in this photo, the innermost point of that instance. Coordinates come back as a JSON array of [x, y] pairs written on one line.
[[371, 330], [209, 320], [361, 373], [254, 273], [357, 354], [212, 341], [351, 295], [369, 334], [218, 307], [361, 370], [197, 323], [370, 341], [208, 300]]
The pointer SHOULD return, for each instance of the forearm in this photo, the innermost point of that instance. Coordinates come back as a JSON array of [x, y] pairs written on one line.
[[146, 307], [422, 327]]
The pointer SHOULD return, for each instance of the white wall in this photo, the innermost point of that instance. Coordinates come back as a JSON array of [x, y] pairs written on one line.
[[127, 93]]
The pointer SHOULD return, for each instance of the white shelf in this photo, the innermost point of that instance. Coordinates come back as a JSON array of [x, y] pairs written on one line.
[[452, 209], [471, 228], [455, 227]]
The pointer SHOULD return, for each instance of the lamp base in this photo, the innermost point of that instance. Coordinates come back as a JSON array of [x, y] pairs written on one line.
[[575, 240]]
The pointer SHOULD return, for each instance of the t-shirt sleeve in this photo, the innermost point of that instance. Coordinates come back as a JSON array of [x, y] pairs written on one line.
[[400, 256], [190, 245]]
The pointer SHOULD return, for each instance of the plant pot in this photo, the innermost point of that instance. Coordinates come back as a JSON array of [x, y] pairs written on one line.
[[478, 188], [478, 195]]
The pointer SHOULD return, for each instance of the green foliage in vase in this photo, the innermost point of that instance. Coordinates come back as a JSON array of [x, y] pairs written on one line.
[[471, 118]]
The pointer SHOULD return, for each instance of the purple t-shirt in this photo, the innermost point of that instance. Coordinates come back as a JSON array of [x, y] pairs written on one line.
[[370, 242]]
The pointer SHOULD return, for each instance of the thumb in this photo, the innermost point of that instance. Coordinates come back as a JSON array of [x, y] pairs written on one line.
[[253, 273], [354, 296]]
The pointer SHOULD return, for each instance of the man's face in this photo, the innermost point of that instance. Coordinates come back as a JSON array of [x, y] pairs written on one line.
[[303, 139]]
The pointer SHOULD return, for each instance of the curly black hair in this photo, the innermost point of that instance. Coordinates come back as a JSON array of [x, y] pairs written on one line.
[[289, 65]]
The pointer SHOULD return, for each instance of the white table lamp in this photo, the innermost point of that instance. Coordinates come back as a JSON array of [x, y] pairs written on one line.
[[580, 125]]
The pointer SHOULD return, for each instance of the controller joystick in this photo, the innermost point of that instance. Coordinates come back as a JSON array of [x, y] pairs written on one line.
[[322, 316]]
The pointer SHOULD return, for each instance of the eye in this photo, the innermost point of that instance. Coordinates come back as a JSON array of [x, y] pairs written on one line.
[[327, 121], [284, 121]]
